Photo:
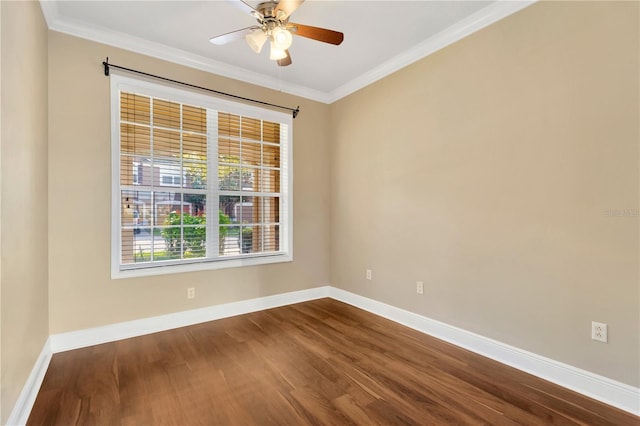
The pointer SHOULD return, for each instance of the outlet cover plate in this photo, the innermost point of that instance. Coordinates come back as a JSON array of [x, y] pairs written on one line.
[[599, 331]]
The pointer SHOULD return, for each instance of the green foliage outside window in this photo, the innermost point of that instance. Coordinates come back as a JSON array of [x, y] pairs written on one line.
[[193, 239]]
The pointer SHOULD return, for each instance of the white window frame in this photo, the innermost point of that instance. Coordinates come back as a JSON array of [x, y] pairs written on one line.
[[119, 83]]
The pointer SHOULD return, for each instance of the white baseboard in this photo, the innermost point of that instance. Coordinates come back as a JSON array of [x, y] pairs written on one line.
[[598, 387], [22, 408], [124, 330], [603, 389]]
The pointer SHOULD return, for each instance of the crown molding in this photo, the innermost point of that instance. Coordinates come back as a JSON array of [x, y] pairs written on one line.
[[160, 51], [484, 17], [50, 12], [475, 22]]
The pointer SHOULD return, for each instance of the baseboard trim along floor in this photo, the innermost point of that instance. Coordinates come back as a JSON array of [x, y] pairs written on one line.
[[595, 386], [20, 413], [598, 387]]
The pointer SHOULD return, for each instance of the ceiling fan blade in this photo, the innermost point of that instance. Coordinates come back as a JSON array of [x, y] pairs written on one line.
[[315, 33], [288, 6], [246, 8], [233, 35], [285, 61]]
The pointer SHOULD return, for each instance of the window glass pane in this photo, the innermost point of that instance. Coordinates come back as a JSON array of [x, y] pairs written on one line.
[[166, 114], [194, 119], [195, 205], [128, 246], [166, 203], [229, 178], [270, 181], [229, 240], [171, 244], [228, 150], [250, 207], [229, 207], [194, 147], [251, 154], [271, 238], [251, 129], [134, 108], [228, 125], [271, 132], [195, 237], [249, 179], [127, 170], [144, 171], [251, 239], [166, 144], [135, 139], [271, 155], [143, 244], [137, 240], [128, 208], [271, 209], [195, 175]]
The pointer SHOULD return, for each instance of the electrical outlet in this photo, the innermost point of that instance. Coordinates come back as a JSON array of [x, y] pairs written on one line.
[[191, 293], [419, 287], [599, 331], [369, 274]]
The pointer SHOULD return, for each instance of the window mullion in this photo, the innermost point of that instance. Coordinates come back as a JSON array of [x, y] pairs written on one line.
[[181, 189], [240, 192], [213, 202], [261, 198], [284, 194], [154, 213]]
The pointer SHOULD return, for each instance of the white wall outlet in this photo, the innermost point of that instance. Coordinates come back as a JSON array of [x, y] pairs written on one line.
[[599, 331], [191, 293], [369, 274], [419, 287]]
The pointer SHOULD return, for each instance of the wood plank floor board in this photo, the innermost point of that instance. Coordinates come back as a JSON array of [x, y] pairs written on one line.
[[315, 363]]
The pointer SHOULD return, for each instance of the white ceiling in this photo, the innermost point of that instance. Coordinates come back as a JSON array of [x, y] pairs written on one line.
[[380, 37]]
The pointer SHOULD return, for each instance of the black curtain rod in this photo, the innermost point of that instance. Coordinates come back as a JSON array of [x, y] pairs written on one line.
[[107, 65]]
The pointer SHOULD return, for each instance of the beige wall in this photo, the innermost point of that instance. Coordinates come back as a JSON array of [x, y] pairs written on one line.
[[81, 292], [487, 169], [23, 278]]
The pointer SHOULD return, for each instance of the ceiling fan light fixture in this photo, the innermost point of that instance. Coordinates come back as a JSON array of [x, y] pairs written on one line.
[[276, 53], [256, 39], [282, 38]]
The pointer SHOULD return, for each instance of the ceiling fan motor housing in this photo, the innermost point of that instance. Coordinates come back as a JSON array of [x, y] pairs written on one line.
[[273, 19]]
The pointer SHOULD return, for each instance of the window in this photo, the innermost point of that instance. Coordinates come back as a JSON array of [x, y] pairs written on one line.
[[136, 176], [169, 180], [198, 182]]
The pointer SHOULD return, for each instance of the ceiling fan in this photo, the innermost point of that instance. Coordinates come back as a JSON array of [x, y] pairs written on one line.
[[273, 20]]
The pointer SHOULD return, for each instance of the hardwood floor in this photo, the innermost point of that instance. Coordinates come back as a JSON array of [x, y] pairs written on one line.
[[318, 362]]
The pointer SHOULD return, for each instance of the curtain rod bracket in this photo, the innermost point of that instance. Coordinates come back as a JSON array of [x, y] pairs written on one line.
[[106, 65]]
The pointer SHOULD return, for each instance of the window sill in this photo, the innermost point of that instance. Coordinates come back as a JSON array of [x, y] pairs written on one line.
[[151, 270]]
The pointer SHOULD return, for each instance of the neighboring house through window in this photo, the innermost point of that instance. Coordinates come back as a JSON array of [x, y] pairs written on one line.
[[198, 182]]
